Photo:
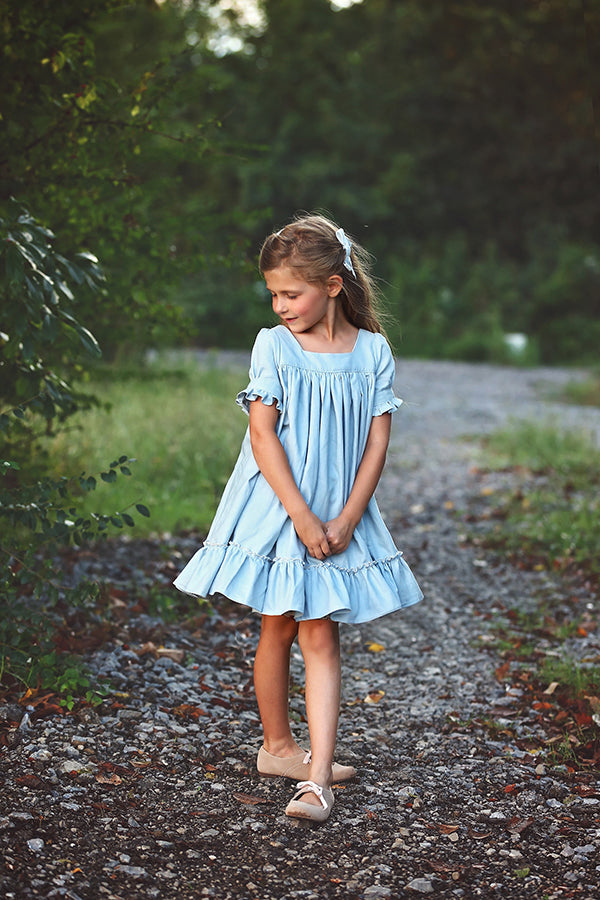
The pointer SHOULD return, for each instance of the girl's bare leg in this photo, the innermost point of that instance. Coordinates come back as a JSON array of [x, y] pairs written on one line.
[[320, 644], [271, 683]]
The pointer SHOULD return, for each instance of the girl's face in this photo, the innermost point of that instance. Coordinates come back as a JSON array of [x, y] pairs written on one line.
[[300, 305]]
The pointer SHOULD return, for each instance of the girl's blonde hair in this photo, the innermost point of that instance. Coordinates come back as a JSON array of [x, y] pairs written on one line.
[[309, 246]]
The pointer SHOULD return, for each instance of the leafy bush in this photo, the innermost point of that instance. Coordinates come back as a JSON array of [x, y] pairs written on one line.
[[39, 329], [560, 300], [452, 304]]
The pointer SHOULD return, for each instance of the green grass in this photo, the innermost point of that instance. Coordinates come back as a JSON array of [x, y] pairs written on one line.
[[572, 676], [583, 393], [553, 514], [182, 427], [542, 448], [548, 518]]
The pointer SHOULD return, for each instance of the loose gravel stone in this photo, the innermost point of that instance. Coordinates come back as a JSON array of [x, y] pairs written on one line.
[[422, 885]]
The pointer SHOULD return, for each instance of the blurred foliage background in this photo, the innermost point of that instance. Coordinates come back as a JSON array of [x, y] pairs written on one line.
[[455, 140]]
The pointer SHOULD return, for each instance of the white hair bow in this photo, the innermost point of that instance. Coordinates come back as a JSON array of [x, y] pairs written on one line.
[[341, 236]]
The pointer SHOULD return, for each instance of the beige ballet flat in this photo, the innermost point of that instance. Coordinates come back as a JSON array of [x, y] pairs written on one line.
[[296, 767], [299, 810]]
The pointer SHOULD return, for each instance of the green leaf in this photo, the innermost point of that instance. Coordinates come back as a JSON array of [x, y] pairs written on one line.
[[64, 288], [74, 271], [109, 477], [143, 510], [124, 470], [88, 340], [127, 519], [89, 257], [14, 264]]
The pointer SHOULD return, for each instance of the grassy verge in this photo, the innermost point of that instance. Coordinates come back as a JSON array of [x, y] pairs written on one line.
[[554, 714], [548, 519], [181, 426], [583, 393], [551, 517]]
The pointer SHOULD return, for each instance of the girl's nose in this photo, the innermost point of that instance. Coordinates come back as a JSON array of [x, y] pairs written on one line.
[[279, 305]]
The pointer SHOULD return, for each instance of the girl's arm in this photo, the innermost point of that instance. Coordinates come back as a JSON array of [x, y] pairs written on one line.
[[272, 461], [340, 530]]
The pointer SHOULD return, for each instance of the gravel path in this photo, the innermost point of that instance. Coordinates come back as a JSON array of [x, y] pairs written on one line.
[[155, 793]]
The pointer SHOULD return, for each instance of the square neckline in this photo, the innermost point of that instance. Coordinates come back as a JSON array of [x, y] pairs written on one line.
[[322, 352]]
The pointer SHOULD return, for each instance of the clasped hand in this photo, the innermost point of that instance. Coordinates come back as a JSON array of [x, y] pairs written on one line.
[[323, 539]]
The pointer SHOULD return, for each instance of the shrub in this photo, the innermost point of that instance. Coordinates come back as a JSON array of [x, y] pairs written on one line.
[[38, 513]]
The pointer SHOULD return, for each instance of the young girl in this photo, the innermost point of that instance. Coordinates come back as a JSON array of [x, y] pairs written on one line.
[[298, 535]]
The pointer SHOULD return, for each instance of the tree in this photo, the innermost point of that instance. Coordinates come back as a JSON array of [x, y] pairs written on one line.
[[102, 138], [434, 126]]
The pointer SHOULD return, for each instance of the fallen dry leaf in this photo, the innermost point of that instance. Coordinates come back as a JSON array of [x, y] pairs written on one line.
[[148, 647], [374, 696], [172, 653], [141, 762], [374, 648], [594, 703], [551, 687], [479, 835], [29, 779], [108, 779], [517, 826], [188, 711], [439, 866], [502, 671], [249, 799]]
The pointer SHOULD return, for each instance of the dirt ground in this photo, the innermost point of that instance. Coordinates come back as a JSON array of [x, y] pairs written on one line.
[[154, 794]]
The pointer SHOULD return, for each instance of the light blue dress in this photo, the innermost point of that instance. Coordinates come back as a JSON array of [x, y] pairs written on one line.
[[252, 554]]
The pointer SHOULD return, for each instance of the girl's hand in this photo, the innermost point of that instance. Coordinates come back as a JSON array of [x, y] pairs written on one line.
[[339, 533], [311, 532]]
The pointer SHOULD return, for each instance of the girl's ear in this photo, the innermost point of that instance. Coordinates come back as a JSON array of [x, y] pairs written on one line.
[[334, 285]]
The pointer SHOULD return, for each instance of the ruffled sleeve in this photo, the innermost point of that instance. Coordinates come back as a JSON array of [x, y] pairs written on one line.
[[265, 382], [385, 400]]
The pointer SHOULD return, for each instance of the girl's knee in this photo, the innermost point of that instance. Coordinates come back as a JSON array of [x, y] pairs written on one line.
[[280, 629], [319, 636]]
